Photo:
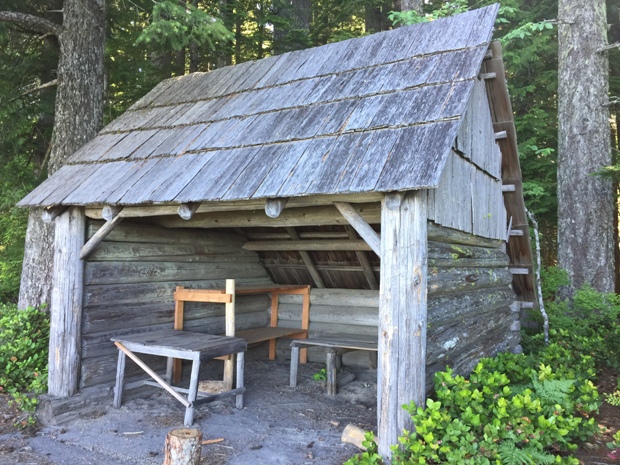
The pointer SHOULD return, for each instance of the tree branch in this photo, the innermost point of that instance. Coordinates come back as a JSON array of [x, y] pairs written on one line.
[[608, 47], [31, 22], [36, 89]]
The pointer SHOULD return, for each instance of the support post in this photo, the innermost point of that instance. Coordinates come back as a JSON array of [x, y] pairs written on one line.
[[229, 363], [66, 304], [402, 314]]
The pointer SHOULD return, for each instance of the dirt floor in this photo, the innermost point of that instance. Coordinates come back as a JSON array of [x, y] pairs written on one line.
[[279, 425]]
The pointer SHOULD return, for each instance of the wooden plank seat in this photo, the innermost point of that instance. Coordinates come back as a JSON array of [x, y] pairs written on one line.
[[335, 346], [255, 335], [183, 345]]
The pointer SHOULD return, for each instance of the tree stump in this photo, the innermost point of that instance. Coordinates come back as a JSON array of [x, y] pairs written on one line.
[[183, 447]]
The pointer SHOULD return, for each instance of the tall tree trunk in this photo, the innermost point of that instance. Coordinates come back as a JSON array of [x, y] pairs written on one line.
[[78, 117], [585, 202], [415, 5]]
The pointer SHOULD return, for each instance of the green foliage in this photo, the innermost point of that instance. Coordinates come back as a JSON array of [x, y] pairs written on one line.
[[176, 26], [400, 18], [513, 409], [320, 375], [24, 339]]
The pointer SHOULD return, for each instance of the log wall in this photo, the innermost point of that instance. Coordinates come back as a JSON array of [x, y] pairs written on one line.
[[469, 313], [129, 282]]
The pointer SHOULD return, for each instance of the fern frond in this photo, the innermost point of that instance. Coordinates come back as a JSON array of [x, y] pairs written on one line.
[[553, 391]]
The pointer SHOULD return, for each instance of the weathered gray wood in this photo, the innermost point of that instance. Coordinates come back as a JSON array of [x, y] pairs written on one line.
[[187, 210], [441, 234], [273, 207], [49, 214], [402, 316], [364, 263], [99, 236], [305, 245], [120, 379], [294, 366], [109, 212], [240, 380], [305, 257], [331, 372], [66, 304], [360, 225]]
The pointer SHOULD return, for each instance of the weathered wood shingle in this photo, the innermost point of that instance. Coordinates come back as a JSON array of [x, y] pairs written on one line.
[[379, 113]]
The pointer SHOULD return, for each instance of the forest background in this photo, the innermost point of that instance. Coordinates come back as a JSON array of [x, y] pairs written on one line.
[[149, 41]]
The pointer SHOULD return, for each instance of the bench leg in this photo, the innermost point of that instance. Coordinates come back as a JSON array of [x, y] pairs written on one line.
[[331, 372], [294, 365], [240, 381], [169, 369], [120, 379], [193, 391], [229, 373]]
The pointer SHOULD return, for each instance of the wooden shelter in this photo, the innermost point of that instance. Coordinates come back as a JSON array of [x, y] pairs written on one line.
[[383, 171]]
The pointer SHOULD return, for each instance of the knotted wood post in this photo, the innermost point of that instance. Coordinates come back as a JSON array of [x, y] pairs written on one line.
[[402, 314], [183, 447], [66, 303]]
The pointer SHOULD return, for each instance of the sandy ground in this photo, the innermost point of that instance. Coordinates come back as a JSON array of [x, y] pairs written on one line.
[[278, 426]]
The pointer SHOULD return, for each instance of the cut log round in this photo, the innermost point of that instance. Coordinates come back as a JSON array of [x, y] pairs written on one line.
[[353, 435], [183, 447]]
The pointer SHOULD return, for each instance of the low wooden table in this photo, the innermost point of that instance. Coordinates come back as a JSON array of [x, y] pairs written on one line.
[[183, 345], [335, 348]]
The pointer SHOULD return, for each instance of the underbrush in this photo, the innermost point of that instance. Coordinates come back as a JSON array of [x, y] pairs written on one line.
[[527, 409], [24, 339]]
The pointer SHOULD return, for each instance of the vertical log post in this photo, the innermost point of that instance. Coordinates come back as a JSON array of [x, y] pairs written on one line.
[[402, 314], [229, 363], [66, 304]]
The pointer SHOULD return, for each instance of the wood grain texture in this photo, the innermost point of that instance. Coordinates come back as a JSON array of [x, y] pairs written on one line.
[[401, 374], [66, 304]]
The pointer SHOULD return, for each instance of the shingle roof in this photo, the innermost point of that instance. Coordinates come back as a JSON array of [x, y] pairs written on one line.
[[378, 113]]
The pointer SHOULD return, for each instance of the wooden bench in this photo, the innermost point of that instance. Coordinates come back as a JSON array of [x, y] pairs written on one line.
[[255, 335], [335, 348]]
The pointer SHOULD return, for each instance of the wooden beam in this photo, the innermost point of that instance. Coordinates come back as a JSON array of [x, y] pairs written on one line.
[[488, 55], [305, 257], [501, 135], [310, 216], [402, 316], [109, 212], [273, 207], [364, 263], [527, 304], [487, 76], [509, 188], [299, 245], [140, 211], [229, 363], [66, 304], [524, 271], [516, 232], [263, 236], [99, 236], [187, 210], [51, 213], [360, 225]]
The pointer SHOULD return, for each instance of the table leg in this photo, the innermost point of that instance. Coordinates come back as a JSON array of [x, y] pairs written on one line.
[[193, 391], [240, 380], [294, 365], [120, 379], [331, 372], [169, 369]]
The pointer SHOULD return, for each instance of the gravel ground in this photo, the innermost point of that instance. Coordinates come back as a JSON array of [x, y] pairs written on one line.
[[278, 426]]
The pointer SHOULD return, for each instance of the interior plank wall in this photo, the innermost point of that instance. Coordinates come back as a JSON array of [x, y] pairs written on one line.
[[470, 295], [130, 279]]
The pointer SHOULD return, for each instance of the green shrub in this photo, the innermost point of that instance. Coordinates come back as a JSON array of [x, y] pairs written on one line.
[[24, 338], [513, 409]]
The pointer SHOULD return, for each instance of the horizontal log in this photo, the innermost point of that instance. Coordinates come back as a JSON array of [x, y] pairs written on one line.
[[441, 254], [119, 251], [508, 188], [51, 213], [353, 297], [148, 272], [307, 216], [98, 237], [102, 370], [263, 236], [142, 233], [110, 212], [97, 345], [118, 294], [454, 280], [102, 318], [442, 310], [442, 234], [307, 245], [209, 207], [273, 207]]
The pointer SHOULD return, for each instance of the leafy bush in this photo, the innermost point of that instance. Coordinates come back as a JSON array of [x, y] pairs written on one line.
[[513, 409], [24, 338]]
